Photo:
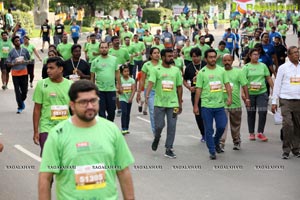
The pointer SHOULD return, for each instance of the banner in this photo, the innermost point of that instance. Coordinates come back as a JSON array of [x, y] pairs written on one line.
[[242, 6], [1, 6]]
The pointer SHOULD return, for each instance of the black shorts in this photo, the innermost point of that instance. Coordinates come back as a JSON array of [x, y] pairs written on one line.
[[46, 38], [298, 34], [3, 65]]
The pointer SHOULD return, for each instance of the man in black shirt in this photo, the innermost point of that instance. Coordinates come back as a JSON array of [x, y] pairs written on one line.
[[189, 81], [76, 68], [45, 32], [59, 31], [280, 51], [209, 38]]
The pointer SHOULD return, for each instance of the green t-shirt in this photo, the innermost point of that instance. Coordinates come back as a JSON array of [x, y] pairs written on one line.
[[282, 29], [127, 88], [146, 27], [254, 21], [268, 24], [179, 63], [107, 23], [166, 81], [186, 52], [221, 53], [212, 82], [30, 48], [65, 50], [235, 24], [298, 26], [121, 54], [147, 69], [200, 18], [131, 23], [148, 40], [75, 155], [160, 46], [295, 19], [203, 49], [185, 24], [252, 43], [5, 48], [256, 77], [164, 24], [138, 48], [126, 34], [237, 79], [250, 30], [100, 24], [130, 50], [90, 49], [54, 99], [192, 20], [176, 25], [105, 69]]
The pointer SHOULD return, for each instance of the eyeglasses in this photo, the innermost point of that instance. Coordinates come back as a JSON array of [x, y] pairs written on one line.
[[85, 102]]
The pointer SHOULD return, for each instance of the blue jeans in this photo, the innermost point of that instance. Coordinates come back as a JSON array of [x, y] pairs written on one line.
[[208, 115], [151, 109], [107, 104], [125, 117]]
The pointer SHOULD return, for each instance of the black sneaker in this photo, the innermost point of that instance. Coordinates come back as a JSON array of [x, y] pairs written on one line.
[[237, 146], [297, 154], [219, 149], [213, 156], [170, 154], [155, 144], [285, 156]]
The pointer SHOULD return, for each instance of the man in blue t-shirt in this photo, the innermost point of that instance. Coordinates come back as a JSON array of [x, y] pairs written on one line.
[[230, 40], [20, 32], [75, 31], [273, 34]]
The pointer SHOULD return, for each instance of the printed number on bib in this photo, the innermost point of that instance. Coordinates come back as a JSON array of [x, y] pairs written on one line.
[[167, 86], [207, 39], [229, 39], [73, 30], [255, 86], [215, 86], [126, 87], [59, 112], [89, 177], [295, 80], [74, 77], [5, 49], [20, 59], [59, 30]]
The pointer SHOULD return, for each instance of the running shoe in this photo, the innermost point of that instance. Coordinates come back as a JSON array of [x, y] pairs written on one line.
[[170, 154], [262, 137], [285, 156], [252, 137], [155, 144]]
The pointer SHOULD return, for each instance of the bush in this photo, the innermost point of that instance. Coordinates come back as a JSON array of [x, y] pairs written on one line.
[[88, 21], [26, 20], [67, 22], [24, 7], [153, 15]]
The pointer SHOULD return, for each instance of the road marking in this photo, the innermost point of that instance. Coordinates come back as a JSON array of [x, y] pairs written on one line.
[[1, 134], [192, 136], [143, 119], [28, 153]]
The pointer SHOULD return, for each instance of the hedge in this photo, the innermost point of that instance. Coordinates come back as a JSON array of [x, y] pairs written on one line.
[[154, 15], [26, 20]]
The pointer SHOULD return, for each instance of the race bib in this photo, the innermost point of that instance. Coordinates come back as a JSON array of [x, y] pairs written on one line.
[[45, 29], [273, 39], [167, 86], [148, 43], [295, 80], [59, 112], [167, 40], [5, 50], [18, 34], [231, 86], [126, 87], [89, 177], [180, 43], [207, 39], [215, 86], [229, 39], [59, 30], [255, 86], [20, 59], [74, 77], [73, 30]]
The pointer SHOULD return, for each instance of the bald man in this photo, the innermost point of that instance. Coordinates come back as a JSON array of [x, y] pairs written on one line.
[[234, 111]]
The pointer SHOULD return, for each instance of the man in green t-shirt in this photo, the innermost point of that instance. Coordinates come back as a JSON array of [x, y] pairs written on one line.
[[148, 41], [139, 51], [64, 48], [221, 50], [209, 87], [86, 153], [167, 83], [200, 19], [283, 28], [5, 47], [121, 54], [235, 23], [105, 71], [50, 101], [91, 49], [234, 112]]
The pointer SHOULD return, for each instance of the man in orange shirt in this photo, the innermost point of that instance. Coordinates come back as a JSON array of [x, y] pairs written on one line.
[[18, 58]]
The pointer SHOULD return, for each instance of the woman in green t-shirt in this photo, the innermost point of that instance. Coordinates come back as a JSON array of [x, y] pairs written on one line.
[[257, 75]]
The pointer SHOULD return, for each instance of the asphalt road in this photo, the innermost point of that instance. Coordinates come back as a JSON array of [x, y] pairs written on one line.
[[256, 172]]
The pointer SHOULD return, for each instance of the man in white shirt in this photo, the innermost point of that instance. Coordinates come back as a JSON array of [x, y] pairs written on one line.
[[287, 90]]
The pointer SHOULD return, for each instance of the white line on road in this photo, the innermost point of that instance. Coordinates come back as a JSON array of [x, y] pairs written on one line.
[[143, 119], [192, 136], [28, 153]]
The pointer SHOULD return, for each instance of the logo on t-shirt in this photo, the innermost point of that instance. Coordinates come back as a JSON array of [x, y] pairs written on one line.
[[83, 146]]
